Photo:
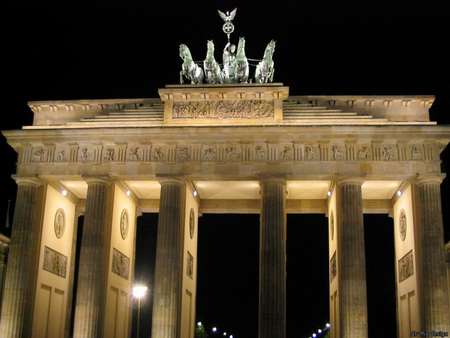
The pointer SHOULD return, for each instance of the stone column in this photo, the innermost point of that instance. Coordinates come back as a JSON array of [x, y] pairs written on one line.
[[19, 259], [168, 268], [272, 259], [435, 300], [88, 310], [352, 259]]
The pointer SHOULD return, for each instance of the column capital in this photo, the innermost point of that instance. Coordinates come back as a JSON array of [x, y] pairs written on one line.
[[27, 180], [179, 180], [97, 179], [435, 178], [349, 179], [274, 179]]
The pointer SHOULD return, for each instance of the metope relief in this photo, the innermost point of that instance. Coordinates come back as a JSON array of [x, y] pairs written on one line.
[[233, 153], [59, 223], [108, 154], [364, 153], [311, 153], [120, 264], [209, 153], [337, 152], [183, 153], [223, 109], [158, 153], [55, 262], [39, 154], [260, 152], [286, 152], [133, 153], [405, 267], [85, 154], [415, 153]]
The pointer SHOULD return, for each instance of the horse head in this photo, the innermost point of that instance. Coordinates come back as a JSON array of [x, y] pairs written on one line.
[[270, 49], [184, 52], [241, 46]]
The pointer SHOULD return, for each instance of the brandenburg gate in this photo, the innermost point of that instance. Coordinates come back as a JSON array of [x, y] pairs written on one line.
[[219, 145], [219, 148]]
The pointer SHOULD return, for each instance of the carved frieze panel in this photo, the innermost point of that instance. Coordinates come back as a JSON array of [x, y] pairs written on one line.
[[55, 262], [311, 152], [39, 154], [120, 264], [364, 152], [337, 152], [183, 153], [333, 267], [223, 109], [209, 153], [415, 153], [260, 152], [109, 154], [86, 154], [405, 267], [190, 265], [62, 154], [286, 152], [134, 153], [158, 153]]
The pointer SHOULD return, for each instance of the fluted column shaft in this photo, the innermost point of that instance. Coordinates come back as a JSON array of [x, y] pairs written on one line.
[[272, 260], [19, 260], [353, 290], [435, 289], [168, 267], [88, 313]]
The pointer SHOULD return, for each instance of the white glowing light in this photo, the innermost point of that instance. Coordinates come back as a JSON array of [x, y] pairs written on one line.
[[214, 329], [399, 193], [329, 192], [139, 291], [195, 193], [327, 325], [199, 324], [64, 192], [128, 192]]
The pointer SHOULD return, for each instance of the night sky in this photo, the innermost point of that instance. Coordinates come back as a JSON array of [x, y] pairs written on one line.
[[72, 50]]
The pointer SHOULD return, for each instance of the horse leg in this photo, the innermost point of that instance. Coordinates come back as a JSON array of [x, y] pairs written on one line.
[[181, 77]]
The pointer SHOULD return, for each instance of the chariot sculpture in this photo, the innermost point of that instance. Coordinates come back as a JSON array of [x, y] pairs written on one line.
[[235, 66]]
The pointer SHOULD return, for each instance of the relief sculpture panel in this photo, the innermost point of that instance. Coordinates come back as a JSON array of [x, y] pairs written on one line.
[[223, 109]]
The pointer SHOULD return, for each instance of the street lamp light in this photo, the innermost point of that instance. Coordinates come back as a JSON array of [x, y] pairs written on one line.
[[139, 292]]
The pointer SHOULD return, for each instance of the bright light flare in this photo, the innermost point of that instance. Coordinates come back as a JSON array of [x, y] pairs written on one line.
[[139, 291]]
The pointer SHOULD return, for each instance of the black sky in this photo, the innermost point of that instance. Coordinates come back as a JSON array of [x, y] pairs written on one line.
[[95, 49]]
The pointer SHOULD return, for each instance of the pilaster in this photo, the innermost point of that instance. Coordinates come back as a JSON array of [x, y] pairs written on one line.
[[272, 259]]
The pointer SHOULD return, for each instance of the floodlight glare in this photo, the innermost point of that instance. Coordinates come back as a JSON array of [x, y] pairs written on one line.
[[139, 291]]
